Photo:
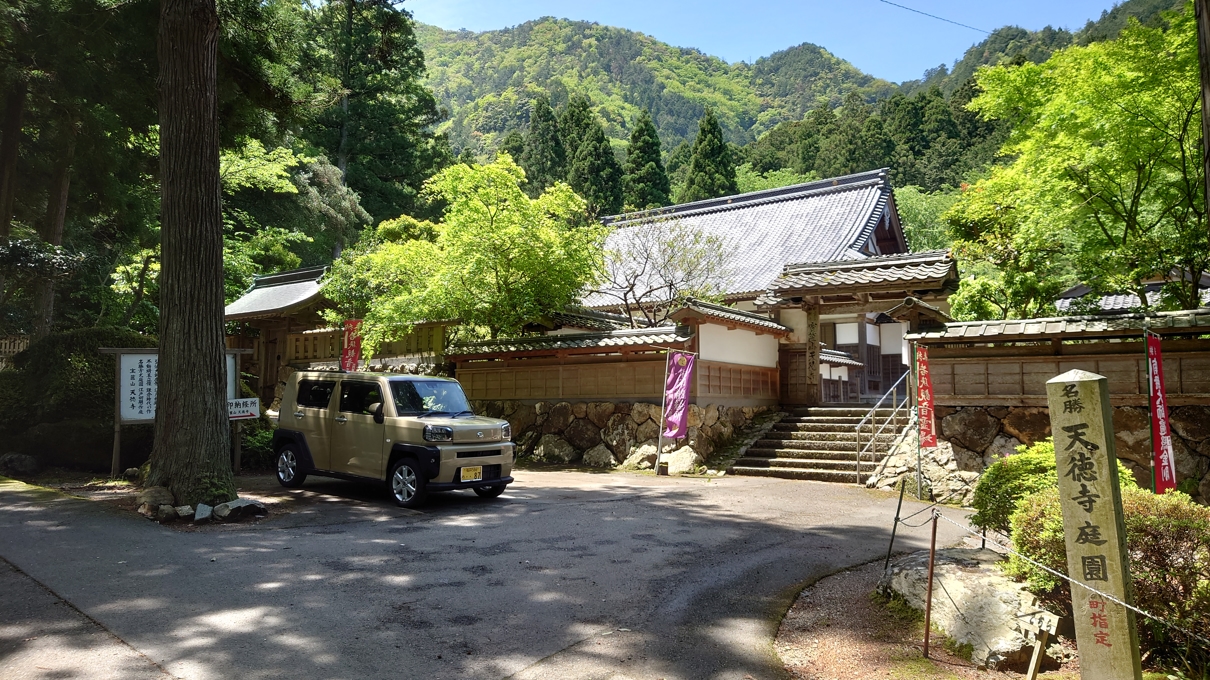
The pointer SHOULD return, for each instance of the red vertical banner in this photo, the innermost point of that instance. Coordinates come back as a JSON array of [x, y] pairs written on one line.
[[1164, 465], [924, 398], [676, 394], [350, 356]]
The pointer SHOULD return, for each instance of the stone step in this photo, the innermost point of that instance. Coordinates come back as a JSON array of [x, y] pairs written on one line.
[[842, 436], [859, 411], [849, 448], [800, 464], [839, 427], [812, 475], [847, 457], [849, 421]]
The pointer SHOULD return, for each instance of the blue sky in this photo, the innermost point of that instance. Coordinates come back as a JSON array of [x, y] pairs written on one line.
[[880, 39]]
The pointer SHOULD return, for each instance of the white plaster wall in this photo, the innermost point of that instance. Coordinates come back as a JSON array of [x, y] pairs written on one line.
[[737, 347], [795, 319], [892, 337], [846, 334], [871, 334]]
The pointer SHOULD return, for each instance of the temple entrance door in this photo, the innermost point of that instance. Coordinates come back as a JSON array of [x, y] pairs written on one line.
[[795, 389]]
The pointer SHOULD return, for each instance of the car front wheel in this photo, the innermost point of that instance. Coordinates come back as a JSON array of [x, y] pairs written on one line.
[[289, 473], [490, 491], [407, 485]]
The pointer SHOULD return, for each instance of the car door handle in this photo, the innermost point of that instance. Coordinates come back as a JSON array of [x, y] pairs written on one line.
[[299, 414], [341, 419]]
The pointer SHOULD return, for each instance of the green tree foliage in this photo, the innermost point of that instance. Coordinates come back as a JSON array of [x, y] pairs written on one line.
[[857, 141], [362, 57], [711, 168], [512, 144], [595, 174], [922, 215], [1107, 156], [644, 183], [545, 158], [486, 80], [499, 261], [1168, 548], [575, 123], [748, 179]]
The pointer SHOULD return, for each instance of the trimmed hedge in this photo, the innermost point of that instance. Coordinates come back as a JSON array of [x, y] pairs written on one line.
[[1168, 543], [1007, 481]]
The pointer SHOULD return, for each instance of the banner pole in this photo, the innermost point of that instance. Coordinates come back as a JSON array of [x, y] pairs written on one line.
[[659, 447], [1150, 399], [919, 463]]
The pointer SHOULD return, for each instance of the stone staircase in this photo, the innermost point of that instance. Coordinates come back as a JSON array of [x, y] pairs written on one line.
[[820, 444]]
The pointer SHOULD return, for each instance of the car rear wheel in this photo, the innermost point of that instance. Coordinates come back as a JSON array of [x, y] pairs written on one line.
[[490, 491], [407, 485], [289, 473]]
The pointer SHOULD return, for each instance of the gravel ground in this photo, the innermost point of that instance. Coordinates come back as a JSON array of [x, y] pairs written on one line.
[[837, 630]]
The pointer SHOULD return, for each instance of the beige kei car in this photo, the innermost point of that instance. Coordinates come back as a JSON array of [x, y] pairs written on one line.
[[416, 434]]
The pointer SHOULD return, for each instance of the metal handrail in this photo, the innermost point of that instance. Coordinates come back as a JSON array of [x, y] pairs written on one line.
[[871, 414]]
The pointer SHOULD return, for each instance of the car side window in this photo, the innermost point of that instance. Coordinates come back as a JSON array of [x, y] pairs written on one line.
[[315, 393], [358, 397]]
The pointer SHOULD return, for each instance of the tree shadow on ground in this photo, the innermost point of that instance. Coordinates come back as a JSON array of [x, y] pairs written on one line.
[[567, 575]]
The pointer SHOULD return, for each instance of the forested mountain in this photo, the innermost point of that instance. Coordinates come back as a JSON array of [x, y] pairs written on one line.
[[1013, 42], [488, 81]]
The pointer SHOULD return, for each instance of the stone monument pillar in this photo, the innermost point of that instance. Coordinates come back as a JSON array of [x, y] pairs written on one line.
[[1082, 422]]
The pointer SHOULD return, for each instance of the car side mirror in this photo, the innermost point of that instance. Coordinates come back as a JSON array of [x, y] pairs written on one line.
[[376, 409]]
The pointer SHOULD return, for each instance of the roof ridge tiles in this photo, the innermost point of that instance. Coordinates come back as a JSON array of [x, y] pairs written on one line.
[[292, 276], [927, 256], [859, 180]]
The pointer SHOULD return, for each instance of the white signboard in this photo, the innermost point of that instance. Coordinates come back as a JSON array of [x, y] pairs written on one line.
[[243, 409], [138, 385]]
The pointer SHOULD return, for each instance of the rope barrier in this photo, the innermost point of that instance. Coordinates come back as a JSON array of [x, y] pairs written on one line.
[[1067, 578]]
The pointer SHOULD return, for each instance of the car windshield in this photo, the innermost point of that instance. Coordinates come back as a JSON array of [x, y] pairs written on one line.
[[420, 397]]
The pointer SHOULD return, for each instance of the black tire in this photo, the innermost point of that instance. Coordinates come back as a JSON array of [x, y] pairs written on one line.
[[407, 485], [490, 491], [289, 470]]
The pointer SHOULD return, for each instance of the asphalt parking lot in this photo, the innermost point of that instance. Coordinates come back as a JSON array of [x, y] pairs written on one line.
[[568, 575]]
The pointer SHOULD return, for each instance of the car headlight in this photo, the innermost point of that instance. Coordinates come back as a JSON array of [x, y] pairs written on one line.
[[506, 433], [438, 433]]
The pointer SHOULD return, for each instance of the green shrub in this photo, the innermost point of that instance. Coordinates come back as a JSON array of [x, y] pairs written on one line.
[[63, 376], [1168, 543], [1011, 479]]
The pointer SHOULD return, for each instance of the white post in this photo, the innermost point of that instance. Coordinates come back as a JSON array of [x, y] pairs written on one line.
[[659, 447]]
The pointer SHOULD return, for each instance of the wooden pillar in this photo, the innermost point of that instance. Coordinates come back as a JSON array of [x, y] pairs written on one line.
[[1093, 526], [863, 386], [814, 394]]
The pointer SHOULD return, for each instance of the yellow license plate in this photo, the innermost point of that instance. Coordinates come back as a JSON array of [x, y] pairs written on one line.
[[472, 474]]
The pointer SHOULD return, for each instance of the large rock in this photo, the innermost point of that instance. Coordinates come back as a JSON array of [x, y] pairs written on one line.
[[619, 433], [559, 417], [967, 460], [1001, 447], [203, 513], [552, 448], [599, 412], [643, 457], [155, 496], [240, 507], [694, 417], [582, 434], [641, 412], [1189, 465], [736, 415], [683, 461], [1028, 424], [522, 419], [972, 428], [18, 464], [1192, 422], [579, 409], [710, 415], [647, 430], [991, 603], [1132, 434], [166, 513], [1204, 489], [599, 456]]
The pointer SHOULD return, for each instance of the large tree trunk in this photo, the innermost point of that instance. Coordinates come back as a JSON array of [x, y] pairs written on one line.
[[192, 436], [10, 140], [52, 228]]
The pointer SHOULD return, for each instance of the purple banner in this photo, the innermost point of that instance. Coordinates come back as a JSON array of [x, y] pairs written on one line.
[[676, 394]]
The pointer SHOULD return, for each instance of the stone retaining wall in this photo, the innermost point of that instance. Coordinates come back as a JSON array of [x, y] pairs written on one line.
[[973, 437], [605, 434]]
